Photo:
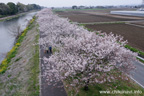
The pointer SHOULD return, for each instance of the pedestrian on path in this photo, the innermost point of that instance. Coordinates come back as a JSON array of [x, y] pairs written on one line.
[[50, 49]]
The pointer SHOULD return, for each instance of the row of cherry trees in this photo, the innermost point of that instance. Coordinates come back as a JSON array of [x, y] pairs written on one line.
[[82, 57]]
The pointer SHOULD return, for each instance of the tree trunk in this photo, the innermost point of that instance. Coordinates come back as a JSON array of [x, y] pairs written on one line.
[[86, 86]]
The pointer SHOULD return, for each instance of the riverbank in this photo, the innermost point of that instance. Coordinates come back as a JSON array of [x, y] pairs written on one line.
[[15, 16], [22, 75]]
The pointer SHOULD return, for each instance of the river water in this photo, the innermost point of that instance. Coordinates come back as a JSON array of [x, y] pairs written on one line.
[[7, 31]]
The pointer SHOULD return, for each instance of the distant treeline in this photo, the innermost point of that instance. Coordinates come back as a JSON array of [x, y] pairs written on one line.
[[11, 8]]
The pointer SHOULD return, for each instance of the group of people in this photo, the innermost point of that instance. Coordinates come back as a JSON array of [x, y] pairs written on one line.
[[48, 50]]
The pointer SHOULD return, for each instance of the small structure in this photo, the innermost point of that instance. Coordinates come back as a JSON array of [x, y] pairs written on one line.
[[139, 12], [130, 13], [142, 6]]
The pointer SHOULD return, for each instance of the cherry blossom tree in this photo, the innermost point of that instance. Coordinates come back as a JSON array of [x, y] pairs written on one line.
[[83, 57]]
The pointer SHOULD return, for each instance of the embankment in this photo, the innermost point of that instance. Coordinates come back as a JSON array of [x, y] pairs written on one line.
[[21, 77]]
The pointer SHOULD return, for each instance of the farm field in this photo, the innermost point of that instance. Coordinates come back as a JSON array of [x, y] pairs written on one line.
[[139, 23], [87, 16], [134, 35]]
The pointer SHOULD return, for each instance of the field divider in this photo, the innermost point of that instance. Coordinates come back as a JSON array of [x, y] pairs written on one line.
[[115, 22], [135, 25]]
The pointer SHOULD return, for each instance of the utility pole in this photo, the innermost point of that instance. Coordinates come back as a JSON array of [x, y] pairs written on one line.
[[143, 4]]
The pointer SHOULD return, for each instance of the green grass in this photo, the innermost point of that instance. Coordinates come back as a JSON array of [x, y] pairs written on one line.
[[94, 90], [34, 80], [1, 16], [18, 59], [140, 60], [135, 50], [118, 22], [77, 9], [55, 50], [96, 23]]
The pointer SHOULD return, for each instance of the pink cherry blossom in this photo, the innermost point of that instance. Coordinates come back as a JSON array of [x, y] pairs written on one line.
[[82, 56]]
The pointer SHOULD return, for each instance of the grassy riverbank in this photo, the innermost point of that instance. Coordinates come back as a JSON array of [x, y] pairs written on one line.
[[11, 17], [15, 16], [21, 77]]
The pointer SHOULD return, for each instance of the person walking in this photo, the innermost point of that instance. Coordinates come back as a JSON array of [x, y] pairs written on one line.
[[50, 49]]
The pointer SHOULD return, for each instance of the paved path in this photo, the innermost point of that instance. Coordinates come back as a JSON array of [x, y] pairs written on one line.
[[49, 90], [138, 75]]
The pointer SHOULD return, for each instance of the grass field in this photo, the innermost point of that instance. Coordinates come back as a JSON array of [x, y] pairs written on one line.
[[95, 89]]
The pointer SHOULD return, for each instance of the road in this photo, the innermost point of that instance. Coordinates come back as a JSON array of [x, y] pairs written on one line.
[[49, 90], [138, 75]]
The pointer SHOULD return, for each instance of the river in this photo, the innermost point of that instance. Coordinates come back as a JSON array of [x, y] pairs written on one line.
[[7, 29]]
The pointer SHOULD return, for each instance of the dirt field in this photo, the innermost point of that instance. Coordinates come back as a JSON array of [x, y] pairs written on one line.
[[134, 35], [87, 16], [139, 23]]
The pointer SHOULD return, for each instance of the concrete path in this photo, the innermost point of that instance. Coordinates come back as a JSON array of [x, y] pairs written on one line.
[[138, 75], [49, 90]]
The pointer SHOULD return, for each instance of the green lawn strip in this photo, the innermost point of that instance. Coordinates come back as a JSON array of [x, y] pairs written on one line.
[[135, 50], [18, 59], [140, 53], [94, 89], [34, 74], [97, 23], [140, 60], [77, 9], [12, 53]]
